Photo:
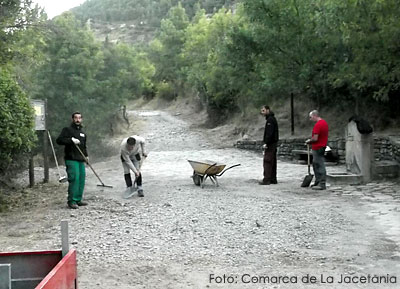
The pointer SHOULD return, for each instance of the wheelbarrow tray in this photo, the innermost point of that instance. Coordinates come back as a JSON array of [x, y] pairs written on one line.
[[206, 167]]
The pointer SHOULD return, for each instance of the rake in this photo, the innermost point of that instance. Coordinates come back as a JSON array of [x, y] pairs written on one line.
[[87, 161]]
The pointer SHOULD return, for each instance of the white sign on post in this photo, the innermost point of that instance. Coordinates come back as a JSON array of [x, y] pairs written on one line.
[[40, 114]]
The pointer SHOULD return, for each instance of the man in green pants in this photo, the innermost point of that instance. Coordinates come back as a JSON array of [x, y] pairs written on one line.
[[71, 137]]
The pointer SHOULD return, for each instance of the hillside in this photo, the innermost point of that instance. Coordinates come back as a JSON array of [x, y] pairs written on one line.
[[142, 11], [129, 32], [133, 21]]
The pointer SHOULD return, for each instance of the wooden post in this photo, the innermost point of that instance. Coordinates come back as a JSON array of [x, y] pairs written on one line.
[[45, 157], [31, 172], [45, 146], [292, 111]]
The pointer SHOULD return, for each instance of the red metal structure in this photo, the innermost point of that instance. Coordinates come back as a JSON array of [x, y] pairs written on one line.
[[39, 269]]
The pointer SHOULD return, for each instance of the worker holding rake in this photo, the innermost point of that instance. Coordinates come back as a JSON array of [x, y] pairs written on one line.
[[75, 154], [132, 152]]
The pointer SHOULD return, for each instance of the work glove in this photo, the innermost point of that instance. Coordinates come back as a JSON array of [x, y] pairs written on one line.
[[307, 141], [75, 141], [265, 146]]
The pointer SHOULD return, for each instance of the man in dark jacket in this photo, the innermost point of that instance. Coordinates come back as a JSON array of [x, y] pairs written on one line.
[[73, 137], [271, 137]]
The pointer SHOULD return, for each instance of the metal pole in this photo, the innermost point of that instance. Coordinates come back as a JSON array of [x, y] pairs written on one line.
[[64, 237]]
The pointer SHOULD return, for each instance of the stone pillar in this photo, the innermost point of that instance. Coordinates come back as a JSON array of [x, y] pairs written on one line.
[[359, 152]]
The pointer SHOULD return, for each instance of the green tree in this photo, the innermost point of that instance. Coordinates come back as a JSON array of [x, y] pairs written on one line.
[[126, 73], [367, 35], [15, 17], [219, 82], [324, 49], [67, 79], [211, 68], [287, 37], [195, 53], [80, 74], [166, 52]]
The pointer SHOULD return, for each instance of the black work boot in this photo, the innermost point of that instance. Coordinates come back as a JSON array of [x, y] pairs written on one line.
[[73, 206], [319, 187], [315, 184]]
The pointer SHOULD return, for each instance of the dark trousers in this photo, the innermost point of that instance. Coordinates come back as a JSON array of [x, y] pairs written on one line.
[[127, 175], [128, 180], [319, 166], [269, 163]]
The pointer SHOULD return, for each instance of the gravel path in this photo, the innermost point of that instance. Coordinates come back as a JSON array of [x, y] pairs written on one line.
[[237, 235]]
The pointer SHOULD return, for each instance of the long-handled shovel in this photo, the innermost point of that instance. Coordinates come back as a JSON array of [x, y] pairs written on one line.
[[128, 194], [61, 179], [307, 179], [140, 166], [87, 161]]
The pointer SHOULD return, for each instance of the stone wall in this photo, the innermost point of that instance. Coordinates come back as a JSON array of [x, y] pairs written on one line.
[[384, 148]]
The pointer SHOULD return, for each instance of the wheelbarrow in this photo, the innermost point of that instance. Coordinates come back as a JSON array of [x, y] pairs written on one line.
[[207, 169]]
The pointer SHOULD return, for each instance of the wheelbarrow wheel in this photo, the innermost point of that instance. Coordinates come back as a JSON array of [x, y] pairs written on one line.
[[197, 179]]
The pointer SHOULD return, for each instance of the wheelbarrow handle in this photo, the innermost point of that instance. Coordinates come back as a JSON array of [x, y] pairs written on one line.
[[227, 169]]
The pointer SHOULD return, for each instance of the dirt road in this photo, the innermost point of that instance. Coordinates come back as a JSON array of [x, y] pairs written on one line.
[[237, 235]]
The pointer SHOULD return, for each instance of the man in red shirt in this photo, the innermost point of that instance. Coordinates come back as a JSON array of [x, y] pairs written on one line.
[[318, 141]]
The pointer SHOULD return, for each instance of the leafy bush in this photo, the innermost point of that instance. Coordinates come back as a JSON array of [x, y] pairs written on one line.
[[17, 133], [165, 91]]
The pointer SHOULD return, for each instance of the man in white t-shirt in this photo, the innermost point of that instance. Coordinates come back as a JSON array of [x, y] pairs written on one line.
[[132, 151]]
